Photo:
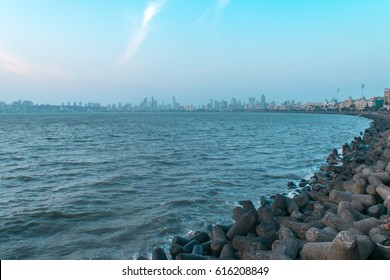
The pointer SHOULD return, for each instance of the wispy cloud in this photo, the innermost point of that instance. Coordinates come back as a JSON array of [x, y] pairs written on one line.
[[11, 63], [216, 11], [139, 35], [202, 17], [220, 7], [222, 4]]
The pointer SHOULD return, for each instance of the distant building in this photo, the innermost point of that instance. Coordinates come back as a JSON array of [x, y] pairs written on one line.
[[311, 106], [379, 101], [375, 102], [174, 105], [263, 105], [361, 104], [330, 105], [347, 104], [386, 104]]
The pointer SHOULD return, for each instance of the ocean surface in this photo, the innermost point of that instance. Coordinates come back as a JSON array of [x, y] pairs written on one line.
[[113, 186]]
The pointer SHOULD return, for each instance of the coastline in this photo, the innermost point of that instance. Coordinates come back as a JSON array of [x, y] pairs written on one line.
[[335, 215]]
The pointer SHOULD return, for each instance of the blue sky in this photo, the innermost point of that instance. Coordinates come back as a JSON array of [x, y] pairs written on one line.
[[124, 50]]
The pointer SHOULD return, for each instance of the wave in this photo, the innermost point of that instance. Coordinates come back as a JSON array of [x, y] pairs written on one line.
[[186, 202], [141, 181], [59, 215]]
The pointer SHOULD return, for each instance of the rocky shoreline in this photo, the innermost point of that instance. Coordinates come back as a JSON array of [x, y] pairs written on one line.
[[335, 215]]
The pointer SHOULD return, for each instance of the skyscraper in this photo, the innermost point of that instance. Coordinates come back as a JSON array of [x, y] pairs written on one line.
[[387, 98], [173, 103], [263, 105]]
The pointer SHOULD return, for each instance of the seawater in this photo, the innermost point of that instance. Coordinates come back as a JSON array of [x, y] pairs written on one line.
[[113, 186]]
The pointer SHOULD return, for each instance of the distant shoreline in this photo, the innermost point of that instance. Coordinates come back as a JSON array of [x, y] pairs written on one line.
[[330, 112]]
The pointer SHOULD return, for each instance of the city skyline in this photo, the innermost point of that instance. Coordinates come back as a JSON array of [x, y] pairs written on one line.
[[251, 105], [55, 51]]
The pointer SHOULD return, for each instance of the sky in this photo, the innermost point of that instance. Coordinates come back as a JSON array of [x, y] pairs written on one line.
[[196, 50]]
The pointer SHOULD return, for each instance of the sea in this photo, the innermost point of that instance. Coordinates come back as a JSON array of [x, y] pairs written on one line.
[[116, 185]]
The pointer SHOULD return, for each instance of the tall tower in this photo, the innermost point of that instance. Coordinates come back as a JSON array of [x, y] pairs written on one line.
[[262, 102], [387, 97], [173, 103]]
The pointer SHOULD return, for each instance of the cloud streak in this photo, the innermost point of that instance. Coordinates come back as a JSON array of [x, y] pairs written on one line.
[[216, 11], [220, 7], [222, 4], [202, 17], [139, 36], [16, 65], [11, 63]]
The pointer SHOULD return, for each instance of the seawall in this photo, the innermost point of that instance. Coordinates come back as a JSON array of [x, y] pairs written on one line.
[[335, 215]]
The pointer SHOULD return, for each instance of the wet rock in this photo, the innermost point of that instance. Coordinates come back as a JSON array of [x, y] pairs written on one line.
[[267, 232], [243, 243], [197, 250], [180, 240], [376, 210], [245, 224], [374, 180], [366, 225], [288, 247], [345, 212], [338, 196], [159, 254], [344, 247], [264, 201], [238, 212], [322, 198], [227, 252], [386, 203], [334, 221], [365, 246], [265, 215], [348, 185], [291, 185], [318, 212], [316, 250], [248, 206], [298, 228], [359, 187], [189, 246], [263, 255], [330, 230], [278, 205], [303, 183], [206, 247], [358, 206], [383, 191], [201, 237], [319, 235], [378, 238], [291, 206], [176, 249], [218, 240], [297, 216], [384, 177], [302, 200], [285, 233]]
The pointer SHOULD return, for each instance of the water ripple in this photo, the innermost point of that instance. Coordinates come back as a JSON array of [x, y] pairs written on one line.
[[108, 186]]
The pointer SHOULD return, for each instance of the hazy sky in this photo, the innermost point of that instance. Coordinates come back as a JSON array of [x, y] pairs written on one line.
[[124, 50]]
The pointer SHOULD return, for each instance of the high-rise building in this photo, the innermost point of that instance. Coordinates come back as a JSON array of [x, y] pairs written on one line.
[[173, 103], [387, 97], [262, 103]]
